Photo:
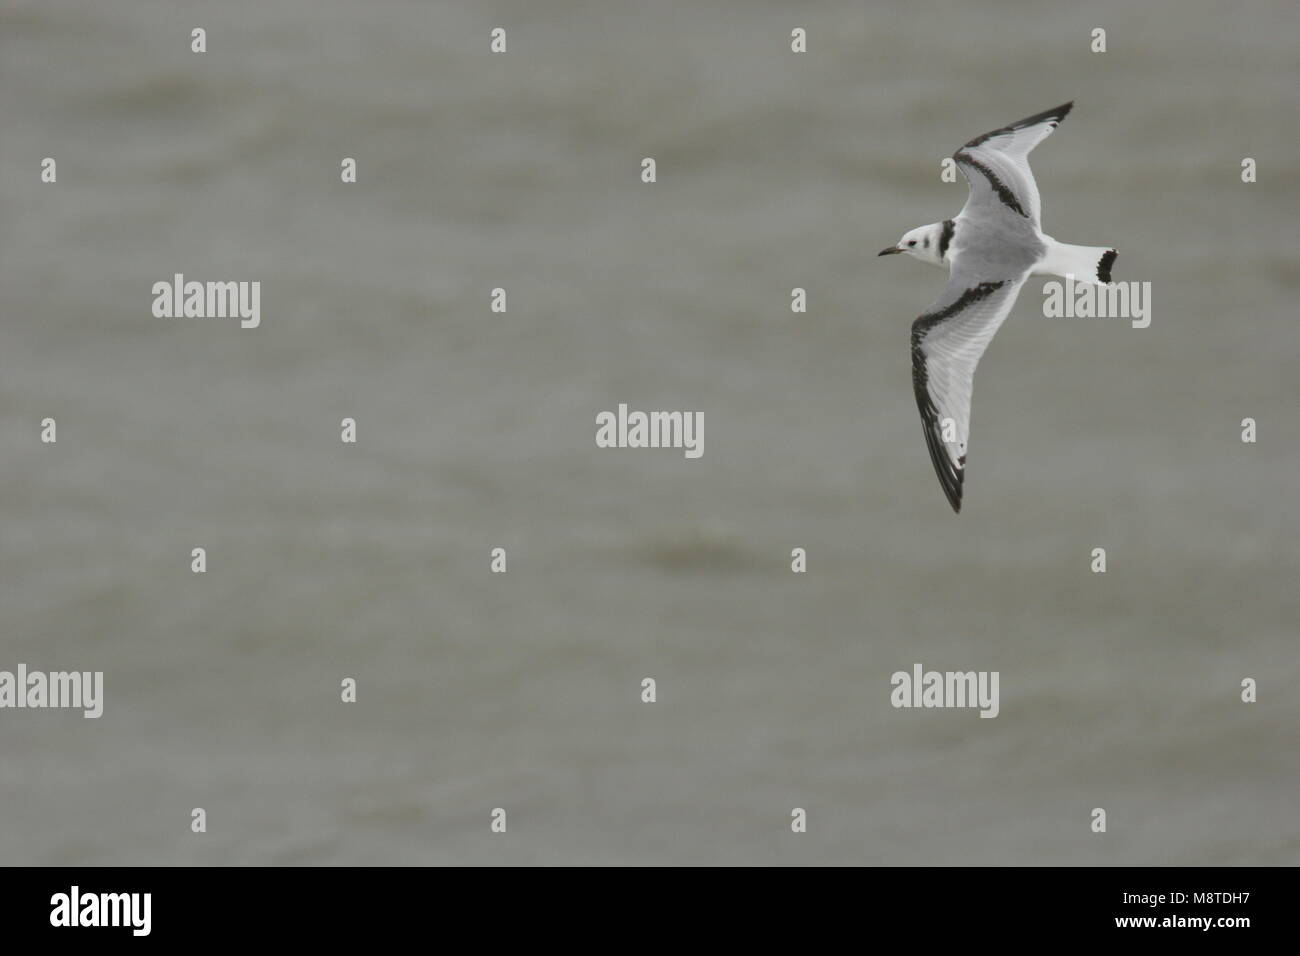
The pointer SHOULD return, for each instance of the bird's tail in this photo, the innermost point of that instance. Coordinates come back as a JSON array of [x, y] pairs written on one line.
[[1085, 263]]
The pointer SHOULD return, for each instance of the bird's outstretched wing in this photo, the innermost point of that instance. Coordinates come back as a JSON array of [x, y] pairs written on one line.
[[947, 342], [996, 165]]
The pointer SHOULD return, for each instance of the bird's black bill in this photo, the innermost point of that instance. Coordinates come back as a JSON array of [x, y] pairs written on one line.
[[891, 251]]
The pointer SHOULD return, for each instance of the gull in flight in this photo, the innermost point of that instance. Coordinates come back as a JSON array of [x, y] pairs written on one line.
[[993, 245]]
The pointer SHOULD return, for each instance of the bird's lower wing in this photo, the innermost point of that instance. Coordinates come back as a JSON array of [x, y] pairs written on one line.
[[947, 342]]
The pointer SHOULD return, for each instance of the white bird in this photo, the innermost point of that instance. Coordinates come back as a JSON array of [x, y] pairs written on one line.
[[993, 245]]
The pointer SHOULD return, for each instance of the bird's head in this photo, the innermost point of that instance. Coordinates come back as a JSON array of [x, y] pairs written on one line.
[[921, 243]]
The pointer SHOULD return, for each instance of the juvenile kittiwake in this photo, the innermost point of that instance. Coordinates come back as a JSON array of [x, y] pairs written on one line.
[[993, 245]]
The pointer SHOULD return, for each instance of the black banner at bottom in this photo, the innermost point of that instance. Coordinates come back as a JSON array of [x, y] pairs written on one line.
[[93, 905]]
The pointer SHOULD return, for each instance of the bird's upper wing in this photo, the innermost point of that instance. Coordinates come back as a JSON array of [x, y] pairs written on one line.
[[947, 342], [996, 165]]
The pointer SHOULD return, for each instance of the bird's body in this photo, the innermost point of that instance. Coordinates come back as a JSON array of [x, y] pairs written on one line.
[[990, 248]]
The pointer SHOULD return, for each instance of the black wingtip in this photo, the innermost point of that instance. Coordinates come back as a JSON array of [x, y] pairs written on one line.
[[954, 493], [950, 476], [1055, 114], [1103, 267]]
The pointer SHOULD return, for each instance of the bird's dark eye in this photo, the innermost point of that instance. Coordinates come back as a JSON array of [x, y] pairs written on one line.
[[912, 243]]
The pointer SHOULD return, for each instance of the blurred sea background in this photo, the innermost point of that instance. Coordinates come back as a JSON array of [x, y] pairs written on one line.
[[476, 430]]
